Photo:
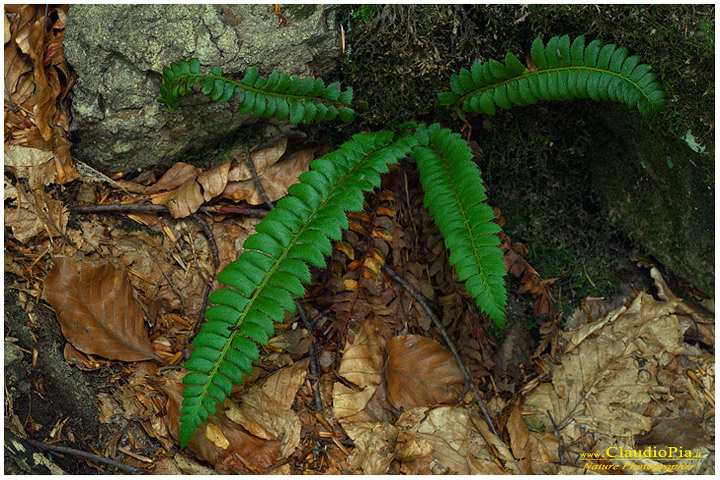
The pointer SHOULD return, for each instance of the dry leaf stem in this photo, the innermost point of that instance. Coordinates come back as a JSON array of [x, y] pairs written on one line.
[[88, 455], [150, 208], [438, 324]]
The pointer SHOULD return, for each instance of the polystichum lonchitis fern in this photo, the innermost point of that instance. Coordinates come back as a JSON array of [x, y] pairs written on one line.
[[274, 265], [283, 96], [562, 71], [455, 195]]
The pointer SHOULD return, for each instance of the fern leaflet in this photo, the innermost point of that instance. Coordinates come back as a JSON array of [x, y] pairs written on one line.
[[273, 268], [283, 96], [564, 71], [455, 195]]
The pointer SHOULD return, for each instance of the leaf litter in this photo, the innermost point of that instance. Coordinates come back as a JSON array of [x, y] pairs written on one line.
[[393, 395]]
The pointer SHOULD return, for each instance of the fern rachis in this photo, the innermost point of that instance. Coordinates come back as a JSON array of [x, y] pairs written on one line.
[[274, 266]]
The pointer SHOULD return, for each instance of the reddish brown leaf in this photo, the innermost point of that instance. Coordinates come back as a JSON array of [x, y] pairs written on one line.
[[97, 311], [420, 372], [219, 440]]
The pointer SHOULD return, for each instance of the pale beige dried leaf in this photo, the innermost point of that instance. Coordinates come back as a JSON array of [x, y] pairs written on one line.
[[420, 372], [450, 432], [363, 359], [262, 159], [265, 411], [604, 380], [216, 436], [373, 452], [214, 181], [190, 195], [348, 401], [38, 166], [182, 201], [275, 179], [24, 223], [177, 175], [97, 311]]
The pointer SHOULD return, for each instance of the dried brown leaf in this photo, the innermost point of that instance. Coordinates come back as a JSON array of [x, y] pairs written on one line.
[[256, 451], [177, 175], [275, 179], [97, 311], [362, 362], [189, 196], [420, 372], [262, 159], [265, 411]]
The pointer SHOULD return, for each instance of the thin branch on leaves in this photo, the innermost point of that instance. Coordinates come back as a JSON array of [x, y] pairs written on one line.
[[88, 455], [438, 324], [150, 208]]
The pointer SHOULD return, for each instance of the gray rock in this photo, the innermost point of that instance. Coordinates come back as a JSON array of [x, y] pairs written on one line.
[[12, 353], [118, 52]]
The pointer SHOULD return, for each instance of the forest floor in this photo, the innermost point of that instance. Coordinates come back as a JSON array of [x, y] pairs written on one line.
[[106, 280]]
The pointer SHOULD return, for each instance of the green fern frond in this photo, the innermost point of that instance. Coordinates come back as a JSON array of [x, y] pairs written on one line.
[[273, 268], [283, 96], [565, 71], [455, 195]]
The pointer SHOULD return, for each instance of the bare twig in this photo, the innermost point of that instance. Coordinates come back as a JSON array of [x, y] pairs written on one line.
[[88, 455], [258, 183], [438, 324], [150, 208]]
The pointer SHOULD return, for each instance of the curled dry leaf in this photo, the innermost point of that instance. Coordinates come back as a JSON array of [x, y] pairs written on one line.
[[177, 175], [36, 212], [265, 411], [190, 195], [213, 448], [262, 159], [38, 166], [420, 372], [97, 311], [442, 441], [275, 179]]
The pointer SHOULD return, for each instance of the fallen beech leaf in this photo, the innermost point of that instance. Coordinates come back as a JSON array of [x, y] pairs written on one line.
[[255, 451], [275, 179], [362, 362], [188, 197], [420, 372], [36, 213], [38, 166], [262, 159], [97, 311], [265, 411], [446, 434], [177, 175]]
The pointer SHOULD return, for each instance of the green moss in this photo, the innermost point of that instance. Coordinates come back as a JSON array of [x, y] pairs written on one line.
[[299, 12]]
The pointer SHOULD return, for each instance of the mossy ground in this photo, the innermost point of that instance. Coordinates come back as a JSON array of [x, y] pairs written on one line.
[[539, 158]]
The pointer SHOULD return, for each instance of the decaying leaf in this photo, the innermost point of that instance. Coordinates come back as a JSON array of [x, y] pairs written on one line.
[[258, 452], [193, 192], [605, 389], [265, 411], [275, 179], [35, 212], [97, 311], [420, 372], [442, 440], [38, 166]]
